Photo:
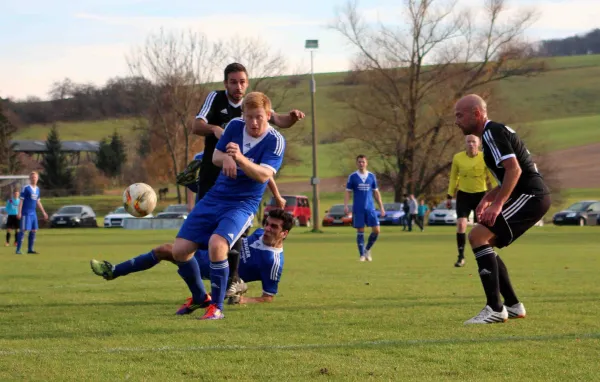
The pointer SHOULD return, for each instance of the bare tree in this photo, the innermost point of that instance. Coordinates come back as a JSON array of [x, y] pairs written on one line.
[[177, 65], [409, 78]]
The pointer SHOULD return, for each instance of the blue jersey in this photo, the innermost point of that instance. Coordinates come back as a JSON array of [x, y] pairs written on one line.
[[12, 206], [362, 186], [258, 262], [266, 150], [30, 197]]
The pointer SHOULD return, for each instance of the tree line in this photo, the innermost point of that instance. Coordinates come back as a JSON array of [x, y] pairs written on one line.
[[588, 43]]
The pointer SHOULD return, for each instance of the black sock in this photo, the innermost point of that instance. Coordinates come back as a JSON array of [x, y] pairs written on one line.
[[233, 258], [8, 237], [488, 272], [506, 289], [461, 239]]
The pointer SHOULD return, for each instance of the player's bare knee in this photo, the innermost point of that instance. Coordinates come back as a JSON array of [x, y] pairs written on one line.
[[360, 230], [480, 235], [164, 252], [218, 247], [376, 230], [461, 225], [183, 250]]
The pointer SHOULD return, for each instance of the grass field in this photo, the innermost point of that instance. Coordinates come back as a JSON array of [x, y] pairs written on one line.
[[397, 318]]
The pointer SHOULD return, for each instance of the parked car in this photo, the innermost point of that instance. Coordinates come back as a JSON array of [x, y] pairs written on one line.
[[174, 211], [3, 217], [297, 205], [74, 216], [116, 218], [577, 213], [394, 214], [442, 215], [336, 216]]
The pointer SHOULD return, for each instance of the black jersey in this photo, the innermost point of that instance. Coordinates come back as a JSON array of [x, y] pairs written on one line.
[[217, 110], [500, 142]]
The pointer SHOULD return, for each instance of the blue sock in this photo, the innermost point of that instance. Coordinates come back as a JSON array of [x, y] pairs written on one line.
[[372, 239], [20, 237], [360, 241], [219, 272], [30, 241], [140, 263], [190, 273]]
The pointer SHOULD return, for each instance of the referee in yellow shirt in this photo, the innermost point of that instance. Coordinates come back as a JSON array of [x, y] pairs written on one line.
[[468, 176]]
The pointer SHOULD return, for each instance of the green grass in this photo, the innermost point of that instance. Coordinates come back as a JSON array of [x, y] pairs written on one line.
[[557, 134], [397, 318]]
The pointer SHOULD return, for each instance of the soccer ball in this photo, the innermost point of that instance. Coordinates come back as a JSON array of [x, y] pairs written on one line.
[[139, 199]]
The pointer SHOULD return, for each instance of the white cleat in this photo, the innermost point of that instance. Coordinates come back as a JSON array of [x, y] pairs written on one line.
[[368, 255], [362, 259], [488, 316], [516, 311]]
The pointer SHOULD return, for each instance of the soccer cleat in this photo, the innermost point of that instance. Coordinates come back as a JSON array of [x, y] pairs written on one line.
[[102, 268], [18, 253], [190, 174], [460, 262], [516, 311], [189, 305], [212, 313], [6, 244], [368, 255], [32, 253], [362, 258], [488, 316]]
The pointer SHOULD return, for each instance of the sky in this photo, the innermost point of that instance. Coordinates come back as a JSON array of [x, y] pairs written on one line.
[[43, 41]]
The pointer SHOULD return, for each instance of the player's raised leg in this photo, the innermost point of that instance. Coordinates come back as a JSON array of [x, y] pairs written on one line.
[[139, 263], [481, 239]]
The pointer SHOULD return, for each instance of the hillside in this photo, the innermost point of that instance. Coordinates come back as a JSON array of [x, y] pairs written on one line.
[[561, 106]]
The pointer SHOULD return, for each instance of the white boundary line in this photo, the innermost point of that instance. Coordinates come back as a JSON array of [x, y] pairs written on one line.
[[417, 342]]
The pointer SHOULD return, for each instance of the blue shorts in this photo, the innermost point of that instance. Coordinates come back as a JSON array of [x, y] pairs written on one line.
[[209, 217], [365, 218], [29, 222]]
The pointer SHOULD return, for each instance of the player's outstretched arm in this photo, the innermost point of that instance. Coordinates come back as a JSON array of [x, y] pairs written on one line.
[[275, 191], [254, 300], [41, 207], [204, 129], [288, 120]]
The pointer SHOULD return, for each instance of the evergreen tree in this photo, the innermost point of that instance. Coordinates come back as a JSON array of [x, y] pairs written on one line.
[[9, 161], [111, 156], [56, 174]]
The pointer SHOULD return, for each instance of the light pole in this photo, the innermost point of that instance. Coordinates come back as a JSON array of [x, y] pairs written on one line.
[[313, 45]]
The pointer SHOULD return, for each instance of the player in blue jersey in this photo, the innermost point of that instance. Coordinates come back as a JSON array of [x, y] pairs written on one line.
[[261, 260], [30, 201], [250, 152], [363, 184]]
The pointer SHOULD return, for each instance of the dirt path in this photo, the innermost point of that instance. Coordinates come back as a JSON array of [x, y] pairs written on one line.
[[577, 167]]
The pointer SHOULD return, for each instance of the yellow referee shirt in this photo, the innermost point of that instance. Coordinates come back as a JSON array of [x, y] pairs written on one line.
[[469, 174]]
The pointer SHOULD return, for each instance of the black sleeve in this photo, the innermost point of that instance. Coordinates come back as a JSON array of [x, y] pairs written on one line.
[[206, 111], [498, 140]]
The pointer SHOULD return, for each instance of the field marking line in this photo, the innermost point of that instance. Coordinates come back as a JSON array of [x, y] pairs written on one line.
[[415, 342]]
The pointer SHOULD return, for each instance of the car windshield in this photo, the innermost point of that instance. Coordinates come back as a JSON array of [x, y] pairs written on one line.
[[392, 206], [442, 205], [176, 208], [289, 201], [580, 206], [70, 210], [338, 209], [120, 210]]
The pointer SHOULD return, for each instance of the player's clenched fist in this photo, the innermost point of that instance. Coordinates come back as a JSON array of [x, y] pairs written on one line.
[[233, 150]]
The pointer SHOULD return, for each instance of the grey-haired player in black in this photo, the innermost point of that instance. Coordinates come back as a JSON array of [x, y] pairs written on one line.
[[506, 212]]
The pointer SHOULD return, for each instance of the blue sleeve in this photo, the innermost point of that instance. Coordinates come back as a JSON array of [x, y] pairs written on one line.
[[24, 193], [374, 185], [271, 275], [349, 184], [273, 155], [228, 134]]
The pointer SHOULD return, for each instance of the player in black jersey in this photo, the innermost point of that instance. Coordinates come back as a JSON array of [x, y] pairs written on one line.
[[220, 107], [506, 212]]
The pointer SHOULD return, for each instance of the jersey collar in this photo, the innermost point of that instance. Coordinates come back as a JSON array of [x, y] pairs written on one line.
[[231, 103]]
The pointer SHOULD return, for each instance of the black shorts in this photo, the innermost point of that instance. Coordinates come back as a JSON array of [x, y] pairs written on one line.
[[467, 202], [519, 213], [12, 222]]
